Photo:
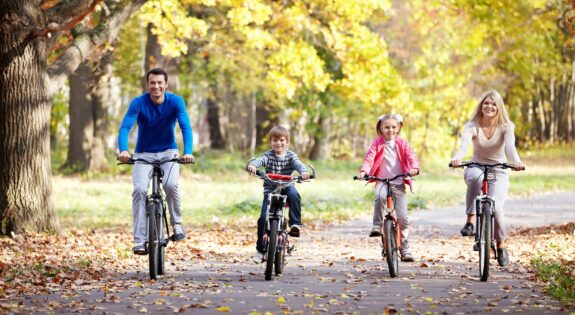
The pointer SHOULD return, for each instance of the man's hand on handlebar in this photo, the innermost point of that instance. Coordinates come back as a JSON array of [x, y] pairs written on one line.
[[305, 175], [251, 169], [187, 158], [124, 156]]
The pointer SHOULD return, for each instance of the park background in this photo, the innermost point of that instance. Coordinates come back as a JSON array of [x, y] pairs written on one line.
[[326, 69]]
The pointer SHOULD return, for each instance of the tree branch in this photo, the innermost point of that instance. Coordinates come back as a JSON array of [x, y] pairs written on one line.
[[85, 44], [75, 11]]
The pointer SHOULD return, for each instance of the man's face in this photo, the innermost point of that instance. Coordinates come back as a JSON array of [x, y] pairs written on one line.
[[157, 86], [279, 145]]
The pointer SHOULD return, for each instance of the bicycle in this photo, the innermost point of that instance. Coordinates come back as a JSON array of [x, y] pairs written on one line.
[[276, 240], [390, 233], [158, 231], [485, 216]]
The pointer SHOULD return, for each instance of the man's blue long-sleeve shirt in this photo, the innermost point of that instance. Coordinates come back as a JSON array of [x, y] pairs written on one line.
[[156, 124]]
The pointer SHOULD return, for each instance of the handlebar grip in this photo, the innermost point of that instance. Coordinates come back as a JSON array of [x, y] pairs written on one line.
[[355, 178], [450, 165], [260, 173]]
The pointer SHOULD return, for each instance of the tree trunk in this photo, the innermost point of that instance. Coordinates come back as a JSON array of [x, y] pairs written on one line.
[[216, 138], [253, 124], [102, 99], [81, 120], [27, 82], [25, 176], [321, 148], [155, 59]]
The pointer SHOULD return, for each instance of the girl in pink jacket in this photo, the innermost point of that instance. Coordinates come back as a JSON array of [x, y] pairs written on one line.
[[388, 156]]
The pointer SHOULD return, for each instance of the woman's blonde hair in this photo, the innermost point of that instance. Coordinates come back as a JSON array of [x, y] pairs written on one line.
[[502, 118], [382, 118]]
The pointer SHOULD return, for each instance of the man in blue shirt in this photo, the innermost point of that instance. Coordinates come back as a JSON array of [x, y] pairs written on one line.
[[156, 113]]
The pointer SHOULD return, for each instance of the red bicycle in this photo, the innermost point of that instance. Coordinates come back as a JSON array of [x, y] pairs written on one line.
[[390, 232]]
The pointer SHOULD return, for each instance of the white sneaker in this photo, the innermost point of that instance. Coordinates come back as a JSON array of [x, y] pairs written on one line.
[[179, 233], [258, 257]]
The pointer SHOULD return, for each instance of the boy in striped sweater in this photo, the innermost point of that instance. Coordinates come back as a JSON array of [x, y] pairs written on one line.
[[279, 160]]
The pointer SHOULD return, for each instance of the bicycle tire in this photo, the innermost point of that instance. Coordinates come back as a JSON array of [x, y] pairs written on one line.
[[162, 235], [281, 252], [485, 241], [272, 245], [152, 241], [391, 247]]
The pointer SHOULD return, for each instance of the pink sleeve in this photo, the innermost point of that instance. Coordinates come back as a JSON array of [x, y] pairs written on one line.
[[410, 157], [369, 157]]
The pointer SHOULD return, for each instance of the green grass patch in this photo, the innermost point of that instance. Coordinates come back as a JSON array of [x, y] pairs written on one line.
[[559, 278]]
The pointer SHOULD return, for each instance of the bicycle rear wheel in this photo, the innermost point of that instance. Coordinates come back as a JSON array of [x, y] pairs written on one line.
[[485, 241], [390, 246], [152, 240], [272, 245]]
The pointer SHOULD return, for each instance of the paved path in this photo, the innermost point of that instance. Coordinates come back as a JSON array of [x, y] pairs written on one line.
[[337, 269]]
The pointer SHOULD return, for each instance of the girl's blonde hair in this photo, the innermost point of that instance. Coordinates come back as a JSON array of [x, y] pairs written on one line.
[[382, 118], [502, 118]]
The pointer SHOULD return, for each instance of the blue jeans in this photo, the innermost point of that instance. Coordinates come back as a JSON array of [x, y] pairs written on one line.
[[294, 202]]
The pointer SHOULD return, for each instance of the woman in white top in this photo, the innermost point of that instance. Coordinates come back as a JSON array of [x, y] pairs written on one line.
[[492, 135]]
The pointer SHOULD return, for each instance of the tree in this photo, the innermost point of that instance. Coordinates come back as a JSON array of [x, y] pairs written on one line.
[[29, 76]]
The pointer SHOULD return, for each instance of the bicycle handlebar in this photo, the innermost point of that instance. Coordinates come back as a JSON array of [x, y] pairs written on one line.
[[160, 162], [369, 177], [485, 165], [276, 178]]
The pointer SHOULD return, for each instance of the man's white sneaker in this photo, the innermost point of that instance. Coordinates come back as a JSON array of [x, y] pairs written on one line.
[[258, 257]]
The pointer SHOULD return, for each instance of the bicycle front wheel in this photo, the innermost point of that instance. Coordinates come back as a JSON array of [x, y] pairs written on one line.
[[162, 242], [484, 241], [390, 246], [152, 241], [271, 252], [281, 252]]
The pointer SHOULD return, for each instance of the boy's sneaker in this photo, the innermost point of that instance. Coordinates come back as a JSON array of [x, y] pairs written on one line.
[[294, 230], [258, 257], [139, 249], [467, 230], [179, 233], [375, 231]]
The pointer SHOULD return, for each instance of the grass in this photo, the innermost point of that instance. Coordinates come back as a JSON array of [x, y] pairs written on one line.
[[559, 276], [217, 190]]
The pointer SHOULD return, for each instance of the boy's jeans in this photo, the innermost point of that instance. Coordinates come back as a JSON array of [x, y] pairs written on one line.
[[294, 201]]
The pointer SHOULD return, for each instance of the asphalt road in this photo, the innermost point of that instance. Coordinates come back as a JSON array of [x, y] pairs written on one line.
[[337, 269]]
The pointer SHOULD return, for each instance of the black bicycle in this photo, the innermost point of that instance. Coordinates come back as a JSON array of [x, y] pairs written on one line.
[[276, 240], [485, 216], [158, 228], [390, 232]]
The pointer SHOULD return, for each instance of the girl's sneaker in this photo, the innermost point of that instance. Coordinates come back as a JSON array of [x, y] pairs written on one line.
[[375, 231], [405, 252]]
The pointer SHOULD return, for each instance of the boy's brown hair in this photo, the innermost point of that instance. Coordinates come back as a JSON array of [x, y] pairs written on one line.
[[278, 132]]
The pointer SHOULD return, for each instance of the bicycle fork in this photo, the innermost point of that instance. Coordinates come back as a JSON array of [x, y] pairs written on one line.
[[389, 216], [479, 202]]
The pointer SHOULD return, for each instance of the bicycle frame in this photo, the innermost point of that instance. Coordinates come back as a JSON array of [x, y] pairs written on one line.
[[156, 218], [390, 215]]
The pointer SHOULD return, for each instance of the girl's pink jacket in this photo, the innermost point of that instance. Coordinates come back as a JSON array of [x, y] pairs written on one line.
[[374, 157]]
